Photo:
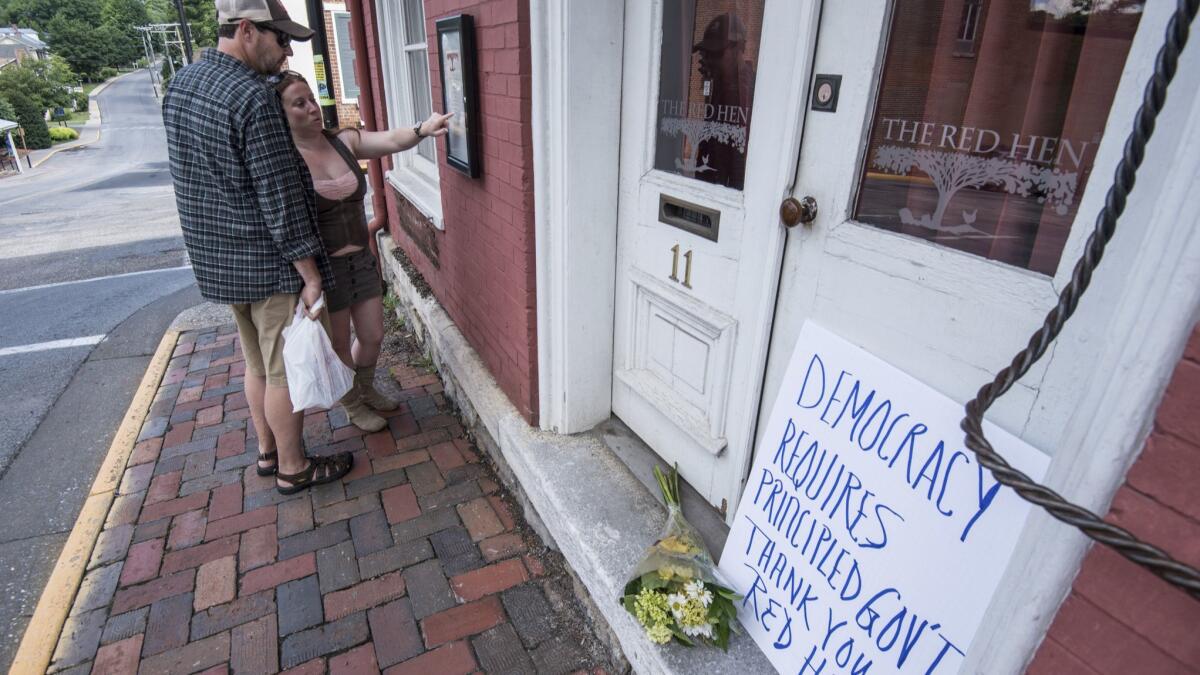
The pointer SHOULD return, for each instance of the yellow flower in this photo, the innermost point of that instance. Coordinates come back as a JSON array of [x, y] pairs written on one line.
[[651, 608], [659, 634], [681, 571], [676, 545]]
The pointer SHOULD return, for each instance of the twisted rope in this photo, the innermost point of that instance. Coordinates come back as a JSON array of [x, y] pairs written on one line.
[[1124, 542]]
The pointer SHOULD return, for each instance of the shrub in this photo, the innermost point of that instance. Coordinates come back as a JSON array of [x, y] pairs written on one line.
[[59, 134], [7, 112], [107, 72], [81, 100], [165, 71], [32, 119]]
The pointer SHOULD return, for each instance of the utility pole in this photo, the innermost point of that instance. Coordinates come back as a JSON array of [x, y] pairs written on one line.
[[148, 45], [320, 47], [171, 37], [187, 31]]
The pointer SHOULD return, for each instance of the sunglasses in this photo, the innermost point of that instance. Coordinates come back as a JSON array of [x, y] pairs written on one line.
[[275, 78], [282, 38]]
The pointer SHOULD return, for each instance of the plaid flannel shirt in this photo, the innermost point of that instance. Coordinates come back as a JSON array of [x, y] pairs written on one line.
[[245, 197]]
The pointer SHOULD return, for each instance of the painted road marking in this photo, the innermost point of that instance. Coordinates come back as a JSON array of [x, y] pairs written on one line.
[[53, 344], [85, 281]]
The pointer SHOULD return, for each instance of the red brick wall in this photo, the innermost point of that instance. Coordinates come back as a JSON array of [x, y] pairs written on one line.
[[1118, 617], [484, 275]]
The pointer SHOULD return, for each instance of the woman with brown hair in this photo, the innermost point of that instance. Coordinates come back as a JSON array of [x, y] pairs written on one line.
[[356, 299]]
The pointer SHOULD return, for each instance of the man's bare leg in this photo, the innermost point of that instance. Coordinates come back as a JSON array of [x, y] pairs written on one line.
[[256, 386], [288, 428]]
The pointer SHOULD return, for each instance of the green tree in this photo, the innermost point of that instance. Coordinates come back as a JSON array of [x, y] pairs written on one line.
[[7, 112], [161, 11], [86, 47], [202, 19], [124, 16], [30, 116], [38, 14], [47, 83], [125, 13]]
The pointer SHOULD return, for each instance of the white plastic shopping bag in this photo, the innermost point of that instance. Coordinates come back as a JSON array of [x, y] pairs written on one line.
[[317, 378]]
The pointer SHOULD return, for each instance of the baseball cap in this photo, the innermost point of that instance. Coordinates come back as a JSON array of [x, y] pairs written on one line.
[[263, 12]]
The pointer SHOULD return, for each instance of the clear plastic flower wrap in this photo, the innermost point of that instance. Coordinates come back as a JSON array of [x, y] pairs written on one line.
[[674, 592]]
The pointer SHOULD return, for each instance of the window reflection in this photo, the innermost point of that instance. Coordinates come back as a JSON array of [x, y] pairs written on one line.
[[706, 88], [988, 119]]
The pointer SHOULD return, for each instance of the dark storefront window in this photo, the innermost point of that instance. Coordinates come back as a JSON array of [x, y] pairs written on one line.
[[990, 154], [706, 88]]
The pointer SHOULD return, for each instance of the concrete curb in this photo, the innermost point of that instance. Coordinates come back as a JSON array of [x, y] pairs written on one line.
[[42, 633], [94, 109], [601, 538]]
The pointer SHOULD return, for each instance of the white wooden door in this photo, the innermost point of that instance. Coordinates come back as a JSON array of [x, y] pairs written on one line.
[[698, 243], [950, 187]]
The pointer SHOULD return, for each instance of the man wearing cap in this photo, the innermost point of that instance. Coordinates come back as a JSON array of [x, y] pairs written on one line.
[[248, 215]]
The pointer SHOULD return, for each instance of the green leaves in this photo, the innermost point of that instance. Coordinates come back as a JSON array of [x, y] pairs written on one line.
[[669, 485], [722, 611], [675, 574], [29, 116], [653, 581], [46, 82]]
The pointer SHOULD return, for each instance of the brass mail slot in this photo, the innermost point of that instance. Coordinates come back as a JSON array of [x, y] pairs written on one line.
[[699, 220]]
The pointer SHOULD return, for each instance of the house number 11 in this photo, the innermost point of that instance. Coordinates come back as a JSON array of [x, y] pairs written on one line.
[[687, 268]]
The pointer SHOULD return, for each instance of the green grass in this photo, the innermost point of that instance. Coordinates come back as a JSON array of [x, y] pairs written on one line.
[[425, 363], [78, 118], [89, 86]]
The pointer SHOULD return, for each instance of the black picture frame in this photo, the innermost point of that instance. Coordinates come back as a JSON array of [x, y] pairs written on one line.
[[460, 91]]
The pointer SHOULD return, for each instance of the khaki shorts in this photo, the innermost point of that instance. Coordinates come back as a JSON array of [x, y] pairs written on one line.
[[260, 327]]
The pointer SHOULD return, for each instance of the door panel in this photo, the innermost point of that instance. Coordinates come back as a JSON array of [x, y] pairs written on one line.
[[939, 238], [694, 301]]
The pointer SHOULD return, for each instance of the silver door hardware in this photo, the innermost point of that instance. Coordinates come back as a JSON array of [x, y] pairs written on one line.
[[699, 220]]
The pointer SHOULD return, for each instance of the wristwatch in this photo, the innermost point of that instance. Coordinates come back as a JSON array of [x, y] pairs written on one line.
[[417, 130]]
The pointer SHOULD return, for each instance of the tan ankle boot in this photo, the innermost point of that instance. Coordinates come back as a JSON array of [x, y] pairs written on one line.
[[360, 415], [364, 379]]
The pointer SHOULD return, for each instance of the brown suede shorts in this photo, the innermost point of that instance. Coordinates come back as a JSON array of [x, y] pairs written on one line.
[[356, 278]]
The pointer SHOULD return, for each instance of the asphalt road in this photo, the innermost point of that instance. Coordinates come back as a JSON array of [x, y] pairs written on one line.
[[92, 271]]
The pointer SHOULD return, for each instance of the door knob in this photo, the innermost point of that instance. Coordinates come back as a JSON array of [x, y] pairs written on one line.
[[793, 211]]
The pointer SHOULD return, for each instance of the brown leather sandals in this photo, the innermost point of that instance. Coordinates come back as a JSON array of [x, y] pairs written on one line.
[[320, 470]]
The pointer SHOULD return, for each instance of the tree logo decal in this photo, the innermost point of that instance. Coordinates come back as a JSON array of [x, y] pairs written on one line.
[[953, 171], [695, 131]]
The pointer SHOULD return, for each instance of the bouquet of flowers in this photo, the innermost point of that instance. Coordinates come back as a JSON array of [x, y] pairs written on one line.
[[674, 591]]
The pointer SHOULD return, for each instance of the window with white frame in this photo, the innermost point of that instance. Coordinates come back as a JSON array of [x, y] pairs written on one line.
[[968, 28], [406, 66], [345, 57]]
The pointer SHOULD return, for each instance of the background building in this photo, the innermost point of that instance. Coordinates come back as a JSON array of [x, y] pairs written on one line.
[[616, 287], [340, 54], [18, 44]]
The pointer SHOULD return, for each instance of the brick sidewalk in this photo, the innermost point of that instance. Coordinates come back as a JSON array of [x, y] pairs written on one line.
[[414, 563]]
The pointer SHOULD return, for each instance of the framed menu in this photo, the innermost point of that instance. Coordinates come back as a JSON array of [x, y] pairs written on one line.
[[460, 91]]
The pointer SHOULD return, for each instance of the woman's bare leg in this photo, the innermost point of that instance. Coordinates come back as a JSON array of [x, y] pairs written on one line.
[[368, 331]]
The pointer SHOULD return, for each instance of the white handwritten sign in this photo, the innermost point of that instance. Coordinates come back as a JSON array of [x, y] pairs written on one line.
[[868, 538]]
